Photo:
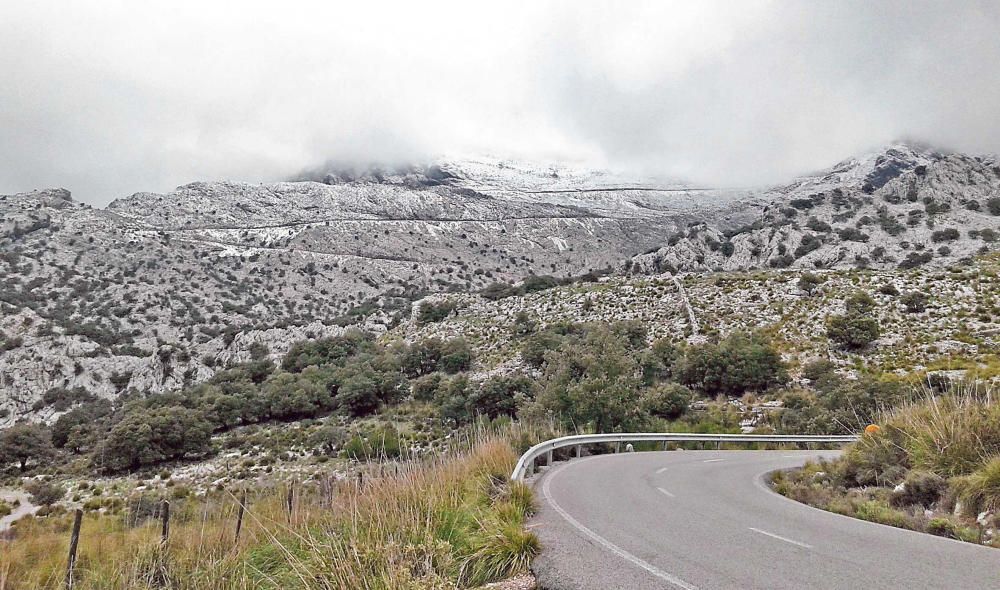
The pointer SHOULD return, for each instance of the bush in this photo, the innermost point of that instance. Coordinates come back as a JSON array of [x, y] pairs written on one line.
[[431, 312], [147, 436], [980, 490], [945, 235], [738, 364], [915, 301], [855, 329], [921, 488], [44, 493], [669, 401], [808, 282], [993, 205]]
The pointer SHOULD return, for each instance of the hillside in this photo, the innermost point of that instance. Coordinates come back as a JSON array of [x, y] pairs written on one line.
[[158, 291], [902, 207]]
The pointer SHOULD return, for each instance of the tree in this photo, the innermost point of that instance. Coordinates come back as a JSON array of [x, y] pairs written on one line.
[[659, 361], [669, 401], [25, 442], [326, 351], [456, 356], [148, 436], [362, 388], [853, 331], [301, 395], [594, 383], [501, 396], [738, 364]]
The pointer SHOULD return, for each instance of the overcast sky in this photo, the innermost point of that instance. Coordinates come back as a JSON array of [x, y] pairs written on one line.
[[109, 98]]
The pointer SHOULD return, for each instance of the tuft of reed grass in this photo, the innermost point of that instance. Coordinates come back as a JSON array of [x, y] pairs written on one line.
[[449, 521]]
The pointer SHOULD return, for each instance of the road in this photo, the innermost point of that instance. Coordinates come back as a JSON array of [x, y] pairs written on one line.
[[704, 520]]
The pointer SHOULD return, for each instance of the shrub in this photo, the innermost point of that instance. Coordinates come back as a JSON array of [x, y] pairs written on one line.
[[942, 527], [431, 312], [980, 490], [738, 364], [44, 493], [945, 235], [669, 401], [808, 244], [993, 205], [853, 331], [915, 301], [808, 282], [921, 488]]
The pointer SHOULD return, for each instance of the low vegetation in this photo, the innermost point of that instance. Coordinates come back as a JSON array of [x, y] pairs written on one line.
[[451, 521], [932, 466]]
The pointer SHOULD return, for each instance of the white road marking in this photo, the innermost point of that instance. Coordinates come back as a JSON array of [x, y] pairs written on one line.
[[712, 460], [665, 492], [611, 546], [780, 538], [661, 470]]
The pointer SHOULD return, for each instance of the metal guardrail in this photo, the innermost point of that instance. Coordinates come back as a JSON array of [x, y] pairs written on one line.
[[525, 465]]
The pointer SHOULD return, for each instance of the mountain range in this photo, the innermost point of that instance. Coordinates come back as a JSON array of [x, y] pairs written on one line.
[[157, 291]]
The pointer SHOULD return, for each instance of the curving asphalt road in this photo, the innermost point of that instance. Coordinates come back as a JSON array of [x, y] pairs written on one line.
[[704, 520]]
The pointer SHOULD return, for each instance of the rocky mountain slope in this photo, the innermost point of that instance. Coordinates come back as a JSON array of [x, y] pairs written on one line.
[[161, 290], [158, 291], [905, 206]]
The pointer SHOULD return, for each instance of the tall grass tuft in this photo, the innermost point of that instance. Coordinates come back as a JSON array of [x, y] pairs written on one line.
[[450, 521]]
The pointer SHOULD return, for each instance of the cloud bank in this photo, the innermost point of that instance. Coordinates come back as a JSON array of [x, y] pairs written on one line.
[[109, 98]]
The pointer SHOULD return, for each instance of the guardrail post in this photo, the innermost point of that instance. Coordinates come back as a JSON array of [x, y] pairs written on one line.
[[618, 447], [578, 451], [548, 458]]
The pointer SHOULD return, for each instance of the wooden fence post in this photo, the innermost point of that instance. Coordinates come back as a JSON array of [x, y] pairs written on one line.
[[165, 517], [239, 515], [74, 542], [291, 499]]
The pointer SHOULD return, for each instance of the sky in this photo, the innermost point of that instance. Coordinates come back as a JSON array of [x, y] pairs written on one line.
[[109, 98]]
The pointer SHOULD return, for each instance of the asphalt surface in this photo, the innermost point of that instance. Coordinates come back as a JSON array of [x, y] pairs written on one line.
[[706, 520]]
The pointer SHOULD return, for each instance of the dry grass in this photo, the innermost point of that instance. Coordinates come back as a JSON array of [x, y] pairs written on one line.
[[449, 522]]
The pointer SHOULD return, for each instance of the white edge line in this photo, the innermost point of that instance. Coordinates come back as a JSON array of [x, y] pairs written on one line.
[[609, 545], [712, 460], [780, 538], [665, 492], [661, 470]]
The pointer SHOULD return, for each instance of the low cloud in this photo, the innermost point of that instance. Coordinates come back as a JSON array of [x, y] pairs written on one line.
[[110, 98]]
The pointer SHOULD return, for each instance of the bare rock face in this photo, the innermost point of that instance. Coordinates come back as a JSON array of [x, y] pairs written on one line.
[[159, 291]]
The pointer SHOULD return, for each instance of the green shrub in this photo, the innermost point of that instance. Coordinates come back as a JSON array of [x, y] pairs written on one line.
[[738, 364], [669, 401]]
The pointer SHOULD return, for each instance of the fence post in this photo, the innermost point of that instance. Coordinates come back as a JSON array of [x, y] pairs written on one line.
[[74, 542], [291, 499], [165, 516], [239, 515]]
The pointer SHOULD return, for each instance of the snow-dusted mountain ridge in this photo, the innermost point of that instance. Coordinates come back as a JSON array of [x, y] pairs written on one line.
[[160, 290]]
